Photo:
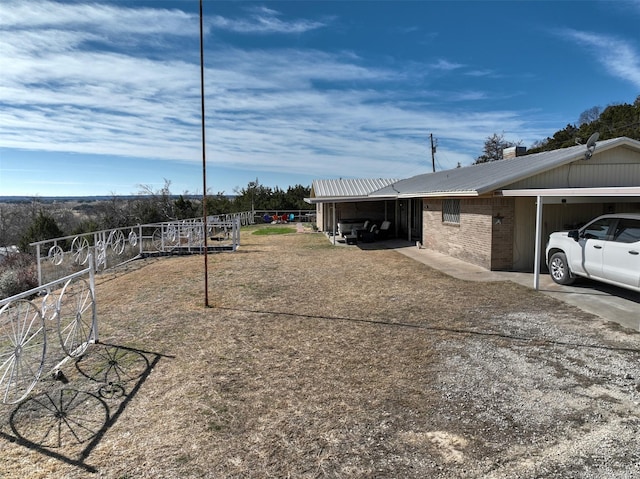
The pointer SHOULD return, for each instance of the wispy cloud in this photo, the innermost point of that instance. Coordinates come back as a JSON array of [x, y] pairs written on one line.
[[619, 57], [100, 19], [447, 65], [264, 20], [303, 110]]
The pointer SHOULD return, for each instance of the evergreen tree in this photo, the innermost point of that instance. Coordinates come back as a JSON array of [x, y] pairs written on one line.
[[42, 228]]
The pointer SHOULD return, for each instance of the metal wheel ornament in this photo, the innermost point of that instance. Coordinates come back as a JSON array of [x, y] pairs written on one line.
[[22, 349], [117, 241], [49, 307], [76, 309], [133, 238], [172, 235], [101, 253], [196, 235], [157, 240], [166, 241], [80, 250], [56, 255]]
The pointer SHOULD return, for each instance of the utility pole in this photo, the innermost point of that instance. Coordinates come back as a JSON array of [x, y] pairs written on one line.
[[433, 152], [204, 168]]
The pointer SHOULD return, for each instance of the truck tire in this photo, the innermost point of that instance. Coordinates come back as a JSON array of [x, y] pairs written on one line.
[[559, 269]]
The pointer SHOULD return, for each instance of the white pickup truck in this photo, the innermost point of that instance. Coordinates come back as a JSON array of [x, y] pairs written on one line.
[[607, 249]]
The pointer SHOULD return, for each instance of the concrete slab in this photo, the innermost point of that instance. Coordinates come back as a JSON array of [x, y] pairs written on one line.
[[608, 302]]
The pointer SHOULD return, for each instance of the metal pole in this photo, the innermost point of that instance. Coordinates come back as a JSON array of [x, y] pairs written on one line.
[[538, 246], [334, 223], [204, 168], [92, 287], [39, 265]]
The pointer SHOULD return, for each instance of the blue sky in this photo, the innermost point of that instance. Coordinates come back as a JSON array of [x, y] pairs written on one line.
[[98, 98]]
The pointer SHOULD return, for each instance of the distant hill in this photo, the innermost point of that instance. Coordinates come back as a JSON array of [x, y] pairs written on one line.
[[81, 199]]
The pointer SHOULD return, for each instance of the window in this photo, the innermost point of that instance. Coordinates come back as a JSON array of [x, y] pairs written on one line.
[[627, 231], [598, 229], [451, 211]]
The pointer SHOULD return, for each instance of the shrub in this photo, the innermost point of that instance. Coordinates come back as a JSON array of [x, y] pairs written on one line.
[[18, 274]]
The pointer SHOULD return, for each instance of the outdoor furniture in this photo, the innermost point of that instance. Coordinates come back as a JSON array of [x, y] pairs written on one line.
[[346, 226], [370, 235], [383, 233]]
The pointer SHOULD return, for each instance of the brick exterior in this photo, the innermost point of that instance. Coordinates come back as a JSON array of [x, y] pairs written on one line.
[[483, 237]]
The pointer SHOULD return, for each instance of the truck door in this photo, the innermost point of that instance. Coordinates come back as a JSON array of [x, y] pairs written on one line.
[[621, 256], [592, 242]]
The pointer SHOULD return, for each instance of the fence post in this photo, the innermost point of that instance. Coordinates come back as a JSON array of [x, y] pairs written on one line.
[[92, 286], [39, 265]]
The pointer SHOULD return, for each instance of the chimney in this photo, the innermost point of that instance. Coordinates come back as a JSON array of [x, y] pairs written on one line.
[[512, 152]]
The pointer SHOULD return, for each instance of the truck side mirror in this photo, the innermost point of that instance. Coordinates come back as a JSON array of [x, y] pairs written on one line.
[[575, 234]]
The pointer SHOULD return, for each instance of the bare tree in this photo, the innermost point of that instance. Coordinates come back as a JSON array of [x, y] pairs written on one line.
[[590, 115], [493, 148]]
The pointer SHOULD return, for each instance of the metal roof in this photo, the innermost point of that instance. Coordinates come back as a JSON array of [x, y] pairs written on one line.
[[345, 189], [484, 178]]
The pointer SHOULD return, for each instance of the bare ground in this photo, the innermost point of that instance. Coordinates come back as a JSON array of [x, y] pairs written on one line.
[[316, 361]]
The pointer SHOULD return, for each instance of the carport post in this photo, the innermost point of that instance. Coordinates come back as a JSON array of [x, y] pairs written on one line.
[[409, 220], [334, 223], [538, 249]]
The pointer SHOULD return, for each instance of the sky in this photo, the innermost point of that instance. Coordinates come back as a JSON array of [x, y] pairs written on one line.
[[104, 97]]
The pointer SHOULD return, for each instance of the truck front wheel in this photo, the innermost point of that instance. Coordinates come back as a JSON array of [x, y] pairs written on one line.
[[559, 269]]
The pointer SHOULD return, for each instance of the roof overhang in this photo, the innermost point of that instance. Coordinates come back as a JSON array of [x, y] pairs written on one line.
[[440, 194], [611, 191], [347, 199]]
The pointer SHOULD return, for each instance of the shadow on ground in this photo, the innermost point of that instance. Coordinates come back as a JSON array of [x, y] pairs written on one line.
[[69, 418]]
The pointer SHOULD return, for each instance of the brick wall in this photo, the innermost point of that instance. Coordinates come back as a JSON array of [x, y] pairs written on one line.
[[502, 237], [477, 239]]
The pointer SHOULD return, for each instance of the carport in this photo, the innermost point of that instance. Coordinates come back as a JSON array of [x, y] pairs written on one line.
[[568, 195]]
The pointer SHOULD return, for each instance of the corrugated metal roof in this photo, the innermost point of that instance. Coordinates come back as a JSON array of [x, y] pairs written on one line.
[[486, 177], [348, 187]]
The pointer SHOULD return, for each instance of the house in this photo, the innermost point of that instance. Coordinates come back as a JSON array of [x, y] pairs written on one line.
[[496, 214]]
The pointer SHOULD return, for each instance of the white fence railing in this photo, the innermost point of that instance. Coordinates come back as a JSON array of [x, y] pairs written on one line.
[[60, 257], [66, 294], [64, 308]]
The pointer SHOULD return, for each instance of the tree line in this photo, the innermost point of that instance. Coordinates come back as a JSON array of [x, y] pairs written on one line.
[[22, 223], [610, 122]]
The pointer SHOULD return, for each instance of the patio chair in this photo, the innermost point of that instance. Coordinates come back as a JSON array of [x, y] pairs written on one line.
[[370, 235], [383, 232], [361, 231]]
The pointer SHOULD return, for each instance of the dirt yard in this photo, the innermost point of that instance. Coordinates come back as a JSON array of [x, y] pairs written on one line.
[[317, 361]]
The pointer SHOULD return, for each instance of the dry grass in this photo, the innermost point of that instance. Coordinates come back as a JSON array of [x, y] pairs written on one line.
[[317, 361]]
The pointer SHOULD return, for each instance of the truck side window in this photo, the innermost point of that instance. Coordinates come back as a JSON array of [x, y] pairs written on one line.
[[627, 231]]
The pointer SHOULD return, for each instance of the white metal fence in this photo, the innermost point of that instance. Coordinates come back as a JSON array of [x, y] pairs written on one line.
[[64, 303], [60, 257], [63, 308]]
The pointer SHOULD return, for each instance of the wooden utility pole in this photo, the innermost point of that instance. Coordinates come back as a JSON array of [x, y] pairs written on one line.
[[204, 169], [433, 153]]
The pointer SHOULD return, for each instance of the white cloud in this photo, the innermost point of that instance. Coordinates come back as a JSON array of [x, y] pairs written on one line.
[[111, 20], [263, 21], [620, 58], [265, 110], [447, 65]]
